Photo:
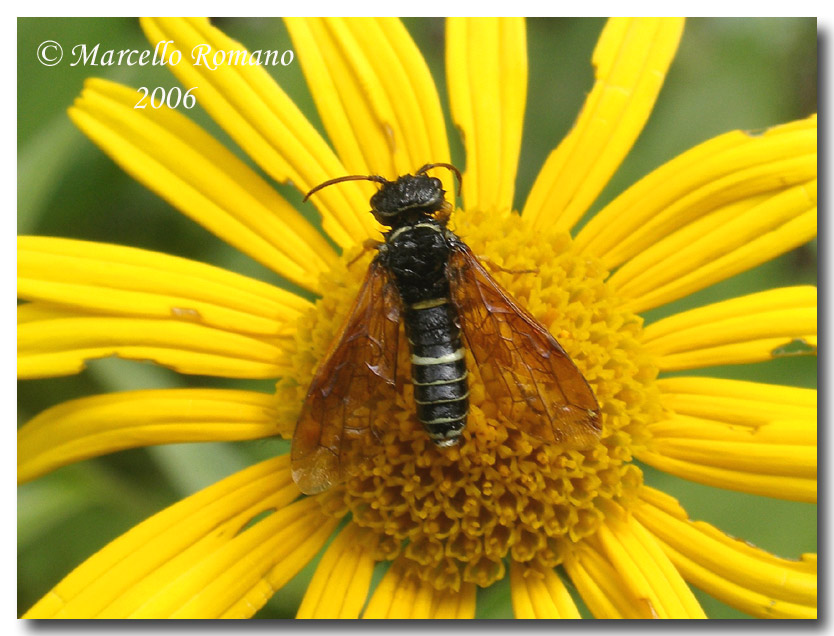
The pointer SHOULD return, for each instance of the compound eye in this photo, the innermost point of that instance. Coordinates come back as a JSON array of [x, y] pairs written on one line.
[[437, 183]]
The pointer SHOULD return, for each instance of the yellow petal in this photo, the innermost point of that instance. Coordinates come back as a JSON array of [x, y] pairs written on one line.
[[698, 256], [750, 328], [539, 593], [93, 426], [779, 486], [720, 179], [602, 588], [732, 570], [735, 401], [183, 164], [401, 595], [374, 92], [645, 569], [795, 435], [630, 62], [240, 576], [776, 459], [261, 118], [486, 74], [342, 579], [117, 280], [454, 605], [199, 557], [54, 342]]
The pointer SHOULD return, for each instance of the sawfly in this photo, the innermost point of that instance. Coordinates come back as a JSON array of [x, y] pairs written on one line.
[[427, 279]]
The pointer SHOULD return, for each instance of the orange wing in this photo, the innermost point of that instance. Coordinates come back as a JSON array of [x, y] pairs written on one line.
[[539, 387], [338, 424]]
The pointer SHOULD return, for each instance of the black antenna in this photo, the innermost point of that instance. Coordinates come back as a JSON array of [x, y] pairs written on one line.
[[353, 177], [449, 166]]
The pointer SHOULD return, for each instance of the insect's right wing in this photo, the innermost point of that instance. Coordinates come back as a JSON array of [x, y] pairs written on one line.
[[528, 375], [338, 423]]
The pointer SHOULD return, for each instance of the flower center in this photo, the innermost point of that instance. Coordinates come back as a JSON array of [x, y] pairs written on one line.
[[456, 514]]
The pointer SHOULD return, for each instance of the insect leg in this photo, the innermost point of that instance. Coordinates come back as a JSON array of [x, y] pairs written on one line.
[[367, 246], [495, 267]]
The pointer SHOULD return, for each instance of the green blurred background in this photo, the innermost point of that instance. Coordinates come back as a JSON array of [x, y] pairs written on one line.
[[729, 73]]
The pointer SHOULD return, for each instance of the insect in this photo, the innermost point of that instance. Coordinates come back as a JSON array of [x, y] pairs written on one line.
[[427, 278]]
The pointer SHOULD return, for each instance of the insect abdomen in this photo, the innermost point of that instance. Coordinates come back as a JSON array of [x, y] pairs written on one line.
[[438, 369]]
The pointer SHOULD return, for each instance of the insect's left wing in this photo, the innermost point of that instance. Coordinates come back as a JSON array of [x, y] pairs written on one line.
[[338, 422], [532, 379]]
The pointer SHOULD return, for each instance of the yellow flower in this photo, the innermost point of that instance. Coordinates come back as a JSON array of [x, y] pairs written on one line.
[[501, 506]]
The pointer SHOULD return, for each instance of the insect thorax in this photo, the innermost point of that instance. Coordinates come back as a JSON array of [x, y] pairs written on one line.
[[417, 255]]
